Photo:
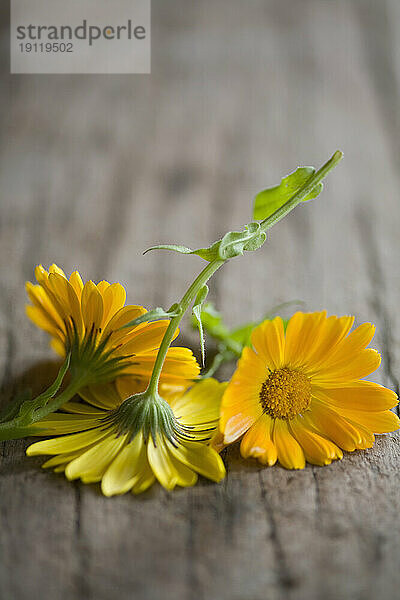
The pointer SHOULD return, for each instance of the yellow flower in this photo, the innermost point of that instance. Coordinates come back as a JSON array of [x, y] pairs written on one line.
[[131, 459], [86, 319], [301, 396]]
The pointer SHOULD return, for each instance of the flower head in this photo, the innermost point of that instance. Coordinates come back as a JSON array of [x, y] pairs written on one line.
[[88, 320], [301, 396], [127, 450]]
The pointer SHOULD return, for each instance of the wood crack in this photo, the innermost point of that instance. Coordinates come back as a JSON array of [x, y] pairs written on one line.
[[286, 580]]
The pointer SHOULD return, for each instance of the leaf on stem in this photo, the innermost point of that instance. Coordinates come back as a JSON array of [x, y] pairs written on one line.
[[234, 243], [271, 199]]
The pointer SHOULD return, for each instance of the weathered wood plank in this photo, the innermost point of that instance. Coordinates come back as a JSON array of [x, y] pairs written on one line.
[[96, 169]]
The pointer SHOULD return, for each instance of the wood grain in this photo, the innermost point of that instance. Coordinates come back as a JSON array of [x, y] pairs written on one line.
[[93, 170]]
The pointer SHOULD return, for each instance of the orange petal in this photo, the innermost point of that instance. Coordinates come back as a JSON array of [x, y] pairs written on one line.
[[342, 431], [258, 442], [317, 449], [268, 340], [290, 453], [358, 396]]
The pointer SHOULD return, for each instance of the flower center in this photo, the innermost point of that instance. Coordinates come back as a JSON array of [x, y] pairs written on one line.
[[285, 393]]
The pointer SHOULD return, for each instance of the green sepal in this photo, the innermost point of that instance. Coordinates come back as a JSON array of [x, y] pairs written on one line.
[[144, 413], [155, 315], [271, 199], [198, 303]]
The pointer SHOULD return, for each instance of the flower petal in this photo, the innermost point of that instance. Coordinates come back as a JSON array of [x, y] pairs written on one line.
[[356, 367], [301, 334], [202, 459], [67, 443], [268, 340], [377, 422], [125, 469], [290, 453], [258, 442], [317, 449], [200, 404], [92, 464], [341, 431], [92, 306], [114, 297], [358, 395]]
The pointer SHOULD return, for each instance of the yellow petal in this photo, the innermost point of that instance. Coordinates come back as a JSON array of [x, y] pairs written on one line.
[[336, 428], [59, 423], [357, 340], [92, 464], [268, 340], [290, 454], [41, 301], [358, 366], [179, 364], [333, 331], [58, 347], [359, 395], [377, 422], [317, 449], [121, 318], [201, 403], [67, 443], [301, 335], [66, 297], [41, 319], [92, 306], [113, 299], [202, 459], [147, 339], [77, 283], [55, 269], [101, 395], [125, 468], [258, 442], [161, 463], [144, 480]]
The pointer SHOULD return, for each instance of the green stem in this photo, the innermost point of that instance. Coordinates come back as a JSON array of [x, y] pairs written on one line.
[[213, 266], [184, 304], [14, 429]]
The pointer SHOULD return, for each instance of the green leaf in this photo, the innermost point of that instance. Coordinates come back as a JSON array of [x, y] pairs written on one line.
[[271, 199], [198, 303], [174, 247], [29, 407], [209, 254], [155, 315], [234, 243]]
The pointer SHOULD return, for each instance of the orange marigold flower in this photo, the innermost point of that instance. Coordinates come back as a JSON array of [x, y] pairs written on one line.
[[300, 396]]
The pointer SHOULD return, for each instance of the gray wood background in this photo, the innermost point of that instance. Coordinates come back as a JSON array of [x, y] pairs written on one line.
[[94, 169]]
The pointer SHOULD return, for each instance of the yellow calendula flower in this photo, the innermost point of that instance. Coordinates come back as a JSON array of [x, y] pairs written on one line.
[[300, 397], [87, 320], [127, 451]]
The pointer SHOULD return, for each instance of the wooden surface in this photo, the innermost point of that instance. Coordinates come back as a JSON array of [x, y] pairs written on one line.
[[94, 169]]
